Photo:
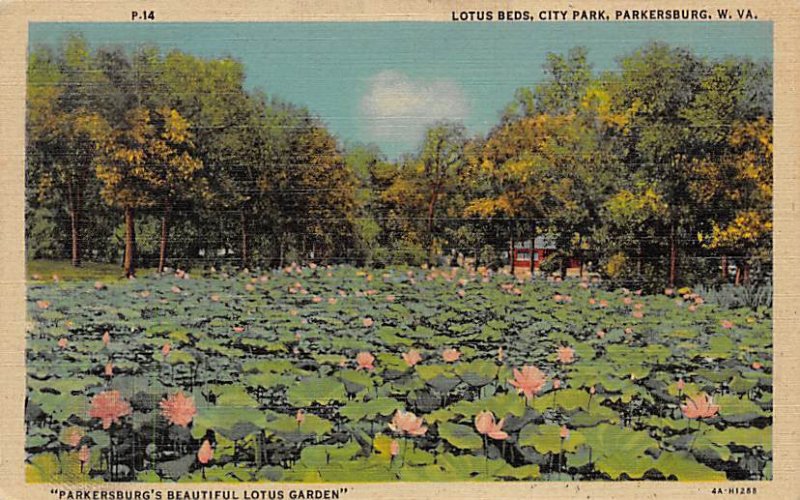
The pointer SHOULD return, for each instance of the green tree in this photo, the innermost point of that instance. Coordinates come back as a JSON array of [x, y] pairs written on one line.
[[146, 163], [60, 118]]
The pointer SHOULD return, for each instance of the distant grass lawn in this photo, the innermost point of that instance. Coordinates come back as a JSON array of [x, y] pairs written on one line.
[[44, 270]]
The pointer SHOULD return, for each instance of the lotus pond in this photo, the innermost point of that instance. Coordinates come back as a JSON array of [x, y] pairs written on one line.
[[314, 374]]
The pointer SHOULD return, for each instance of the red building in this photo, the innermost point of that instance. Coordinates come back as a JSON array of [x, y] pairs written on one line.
[[524, 255]]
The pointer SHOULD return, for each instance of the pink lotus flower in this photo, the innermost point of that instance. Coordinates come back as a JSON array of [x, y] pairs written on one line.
[[556, 384], [692, 308], [390, 298], [56, 279], [450, 355], [178, 409], [106, 338], [757, 366], [726, 324], [98, 285], [205, 453], [627, 301], [603, 303], [365, 360], [300, 417], [74, 436], [700, 406], [250, 287], [637, 314], [628, 331], [367, 322], [566, 355], [529, 381], [592, 390], [293, 312], [601, 334], [176, 289], [681, 384], [342, 362], [166, 349], [592, 301], [485, 424], [699, 300], [564, 432], [557, 297], [394, 448], [412, 357], [669, 291], [84, 454], [405, 422], [331, 300], [109, 407], [238, 329], [109, 370], [500, 354], [62, 343], [638, 306], [461, 293], [42, 304], [316, 299], [144, 294]]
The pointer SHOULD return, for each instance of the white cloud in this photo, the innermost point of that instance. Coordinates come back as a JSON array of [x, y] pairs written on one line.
[[397, 108]]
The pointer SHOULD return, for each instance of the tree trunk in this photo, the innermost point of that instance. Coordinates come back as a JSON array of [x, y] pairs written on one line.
[[746, 272], [244, 239], [431, 212], [511, 252], [162, 257], [533, 249], [76, 245], [673, 256], [74, 215], [639, 258], [477, 253], [725, 268], [130, 244]]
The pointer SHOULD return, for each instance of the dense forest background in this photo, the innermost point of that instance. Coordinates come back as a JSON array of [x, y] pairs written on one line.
[[657, 173]]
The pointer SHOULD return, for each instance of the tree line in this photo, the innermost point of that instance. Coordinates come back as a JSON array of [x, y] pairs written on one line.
[[658, 172]]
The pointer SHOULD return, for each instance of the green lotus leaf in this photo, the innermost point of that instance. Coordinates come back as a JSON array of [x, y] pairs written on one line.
[[620, 450], [742, 436], [286, 424], [234, 396], [320, 390], [684, 467], [460, 436], [477, 373], [227, 420], [547, 438], [736, 409], [356, 410]]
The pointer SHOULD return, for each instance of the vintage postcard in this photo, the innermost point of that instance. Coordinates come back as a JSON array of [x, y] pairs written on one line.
[[346, 251]]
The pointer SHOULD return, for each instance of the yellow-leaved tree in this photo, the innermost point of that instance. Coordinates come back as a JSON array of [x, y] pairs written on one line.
[[147, 163]]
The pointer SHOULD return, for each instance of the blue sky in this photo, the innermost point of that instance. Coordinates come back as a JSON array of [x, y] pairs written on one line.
[[383, 83]]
